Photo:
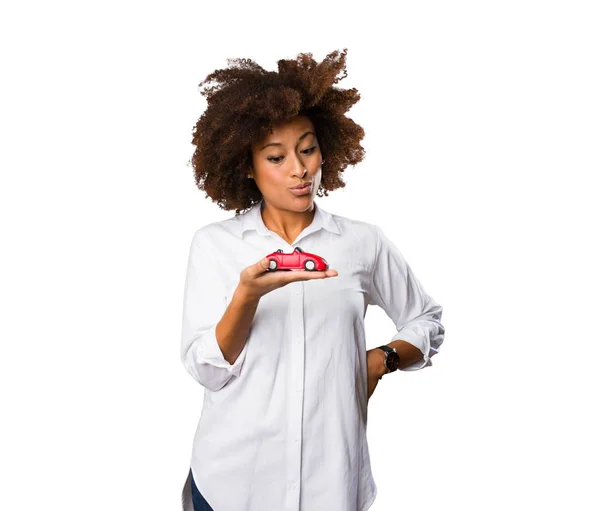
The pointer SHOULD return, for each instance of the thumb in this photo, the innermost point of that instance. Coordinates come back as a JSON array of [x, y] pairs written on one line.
[[259, 267]]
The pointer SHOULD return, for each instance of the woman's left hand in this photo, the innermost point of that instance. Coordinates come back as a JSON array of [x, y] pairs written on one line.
[[375, 369]]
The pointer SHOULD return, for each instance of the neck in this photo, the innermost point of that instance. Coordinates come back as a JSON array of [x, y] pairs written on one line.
[[288, 224]]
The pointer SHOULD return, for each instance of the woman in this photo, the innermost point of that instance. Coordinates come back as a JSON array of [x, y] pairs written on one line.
[[281, 354]]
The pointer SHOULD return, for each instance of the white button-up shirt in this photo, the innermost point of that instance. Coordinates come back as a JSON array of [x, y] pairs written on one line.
[[284, 427]]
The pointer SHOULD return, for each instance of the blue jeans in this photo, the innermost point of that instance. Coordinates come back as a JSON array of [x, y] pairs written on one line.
[[198, 500]]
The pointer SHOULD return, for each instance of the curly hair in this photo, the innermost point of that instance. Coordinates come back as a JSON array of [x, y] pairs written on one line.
[[244, 105]]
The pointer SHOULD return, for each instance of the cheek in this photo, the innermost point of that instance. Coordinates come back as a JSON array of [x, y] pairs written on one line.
[[272, 177]]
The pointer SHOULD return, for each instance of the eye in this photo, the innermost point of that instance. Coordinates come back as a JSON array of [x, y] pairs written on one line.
[[277, 159]]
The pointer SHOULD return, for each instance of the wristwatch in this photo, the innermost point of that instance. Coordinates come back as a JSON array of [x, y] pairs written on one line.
[[392, 359]]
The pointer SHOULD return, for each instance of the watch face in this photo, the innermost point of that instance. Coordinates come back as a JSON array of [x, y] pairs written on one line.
[[393, 360]]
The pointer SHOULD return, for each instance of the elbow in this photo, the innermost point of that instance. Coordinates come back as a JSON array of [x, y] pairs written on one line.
[[210, 377], [432, 328], [204, 361], [425, 333]]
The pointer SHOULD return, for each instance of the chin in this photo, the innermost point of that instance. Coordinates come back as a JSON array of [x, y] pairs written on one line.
[[300, 204]]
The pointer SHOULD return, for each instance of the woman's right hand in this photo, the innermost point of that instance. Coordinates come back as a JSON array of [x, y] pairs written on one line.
[[256, 281]]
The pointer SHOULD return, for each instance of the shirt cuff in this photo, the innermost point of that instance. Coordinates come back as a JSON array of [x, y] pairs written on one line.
[[212, 354], [420, 341]]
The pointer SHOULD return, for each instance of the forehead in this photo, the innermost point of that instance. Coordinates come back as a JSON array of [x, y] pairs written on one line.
[[290, 129]]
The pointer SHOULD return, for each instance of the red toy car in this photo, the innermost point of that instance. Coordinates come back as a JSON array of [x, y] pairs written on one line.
[[296, 260]]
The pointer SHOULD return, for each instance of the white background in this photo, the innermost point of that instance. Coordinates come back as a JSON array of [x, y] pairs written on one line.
[[482, 140]]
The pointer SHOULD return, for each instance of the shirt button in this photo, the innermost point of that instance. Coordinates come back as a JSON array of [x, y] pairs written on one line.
[[296, 440]]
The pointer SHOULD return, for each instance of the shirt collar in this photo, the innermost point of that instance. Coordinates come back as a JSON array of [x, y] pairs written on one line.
[[252, 220]]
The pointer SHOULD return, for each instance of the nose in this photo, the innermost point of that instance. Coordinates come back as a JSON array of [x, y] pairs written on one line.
[[299, 168]]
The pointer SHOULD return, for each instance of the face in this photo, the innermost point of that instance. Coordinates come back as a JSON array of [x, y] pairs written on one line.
[[285, 158]]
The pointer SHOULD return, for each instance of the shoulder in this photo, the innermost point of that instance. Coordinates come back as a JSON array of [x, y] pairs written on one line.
[[363, 231], [216, 233], [369, 238], [359, 237]]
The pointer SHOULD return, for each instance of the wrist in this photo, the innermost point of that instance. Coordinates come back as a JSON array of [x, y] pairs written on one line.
[[377, 363], [245, 297]]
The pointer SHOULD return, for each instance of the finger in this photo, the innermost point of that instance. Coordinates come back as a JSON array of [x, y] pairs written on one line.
[[293, 276], [260, 267], [320, 274]]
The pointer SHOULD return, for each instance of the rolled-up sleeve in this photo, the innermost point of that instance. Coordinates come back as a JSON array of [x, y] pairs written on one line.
[[395, 289], [204, 303]]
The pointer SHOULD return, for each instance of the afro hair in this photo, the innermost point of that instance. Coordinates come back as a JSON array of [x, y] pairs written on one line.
[[247, 101]]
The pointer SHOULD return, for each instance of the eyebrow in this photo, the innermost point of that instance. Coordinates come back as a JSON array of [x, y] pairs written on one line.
[[279, 143]]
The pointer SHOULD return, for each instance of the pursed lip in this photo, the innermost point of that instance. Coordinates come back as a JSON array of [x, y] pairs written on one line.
[[303, 185]]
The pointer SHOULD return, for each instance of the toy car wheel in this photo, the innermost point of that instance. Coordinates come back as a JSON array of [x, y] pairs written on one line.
[[272, 264], [309, 265]]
